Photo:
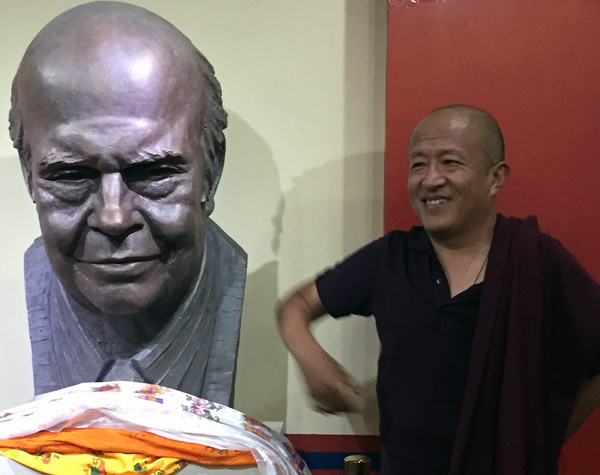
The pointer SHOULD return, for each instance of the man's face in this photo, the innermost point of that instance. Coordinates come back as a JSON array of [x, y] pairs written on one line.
[[449, 185], [118, 183]]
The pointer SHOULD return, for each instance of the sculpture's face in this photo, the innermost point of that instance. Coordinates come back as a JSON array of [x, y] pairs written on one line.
[[116, 174]]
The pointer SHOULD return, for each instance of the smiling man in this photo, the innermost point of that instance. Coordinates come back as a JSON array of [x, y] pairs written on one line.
[[488, 327], [119, 126]]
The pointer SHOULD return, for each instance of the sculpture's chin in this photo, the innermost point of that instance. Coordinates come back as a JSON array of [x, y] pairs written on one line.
[[134, 299], [121, 303], [147, 289]]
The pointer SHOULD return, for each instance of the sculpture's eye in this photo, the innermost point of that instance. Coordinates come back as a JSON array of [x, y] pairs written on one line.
[[67, 182], [71, 174], [154, 179], [151, 172]]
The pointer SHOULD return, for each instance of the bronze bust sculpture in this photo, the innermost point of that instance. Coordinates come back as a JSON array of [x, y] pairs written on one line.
[[118, 121]]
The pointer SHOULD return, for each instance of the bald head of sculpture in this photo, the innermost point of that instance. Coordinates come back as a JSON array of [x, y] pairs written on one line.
[[119, 126]]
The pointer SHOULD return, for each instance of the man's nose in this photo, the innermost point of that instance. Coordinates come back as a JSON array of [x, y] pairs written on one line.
[[434, 177], [113, 213]]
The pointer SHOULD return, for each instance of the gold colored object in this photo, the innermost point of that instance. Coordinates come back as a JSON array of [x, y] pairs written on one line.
[[357, 465]]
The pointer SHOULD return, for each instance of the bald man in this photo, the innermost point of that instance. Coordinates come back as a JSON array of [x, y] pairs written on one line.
[[488, 327], [118, 121]]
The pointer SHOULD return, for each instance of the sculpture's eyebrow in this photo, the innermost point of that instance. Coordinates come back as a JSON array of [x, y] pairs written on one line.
[[55, 158], [61, 158], [145, 158], [153, 160]]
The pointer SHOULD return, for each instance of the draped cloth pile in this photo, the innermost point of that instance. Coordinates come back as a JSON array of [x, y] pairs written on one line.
[[125, 427]]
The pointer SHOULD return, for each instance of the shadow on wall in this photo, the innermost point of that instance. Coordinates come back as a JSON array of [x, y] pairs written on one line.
[[307, 227], [261, 380], [346, 197], [329, 212]]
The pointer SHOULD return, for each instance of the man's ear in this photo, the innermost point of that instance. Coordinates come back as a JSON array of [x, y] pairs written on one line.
[[499, 174]]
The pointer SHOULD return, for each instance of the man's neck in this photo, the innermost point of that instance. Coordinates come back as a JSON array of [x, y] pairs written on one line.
[[464, 257], [469, 242]]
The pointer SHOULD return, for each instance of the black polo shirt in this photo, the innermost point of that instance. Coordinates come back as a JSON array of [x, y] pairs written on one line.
[[426, 338]]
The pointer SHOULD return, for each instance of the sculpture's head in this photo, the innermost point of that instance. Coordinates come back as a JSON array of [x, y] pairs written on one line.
[[119, 126]]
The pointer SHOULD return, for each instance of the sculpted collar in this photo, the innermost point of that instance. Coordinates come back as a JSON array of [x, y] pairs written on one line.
[[180, 348]]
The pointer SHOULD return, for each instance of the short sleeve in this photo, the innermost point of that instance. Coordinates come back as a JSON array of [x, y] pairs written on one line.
[[347, 288]]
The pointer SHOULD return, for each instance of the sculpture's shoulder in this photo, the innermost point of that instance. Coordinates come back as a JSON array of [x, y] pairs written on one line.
[[232, 262], [37, 274], [35, 258], [229, 250], [37, 295]]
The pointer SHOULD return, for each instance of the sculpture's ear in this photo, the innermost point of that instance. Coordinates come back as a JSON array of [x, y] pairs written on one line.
[[211, 182], [26, 170], [208, 205], [17, 135]]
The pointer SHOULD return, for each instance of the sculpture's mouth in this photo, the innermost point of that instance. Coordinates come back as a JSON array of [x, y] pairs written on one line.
[[121, 260], [119, 269]]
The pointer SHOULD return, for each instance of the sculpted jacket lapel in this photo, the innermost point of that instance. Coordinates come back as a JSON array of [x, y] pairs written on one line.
[[194, 355]]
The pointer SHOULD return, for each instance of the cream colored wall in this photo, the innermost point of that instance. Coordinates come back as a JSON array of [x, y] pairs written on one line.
[[303, 84]]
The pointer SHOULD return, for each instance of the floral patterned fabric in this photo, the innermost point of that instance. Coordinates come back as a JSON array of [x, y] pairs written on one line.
[[168, 413]]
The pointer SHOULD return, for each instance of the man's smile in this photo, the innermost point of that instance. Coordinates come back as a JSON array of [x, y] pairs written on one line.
[[435, 201]]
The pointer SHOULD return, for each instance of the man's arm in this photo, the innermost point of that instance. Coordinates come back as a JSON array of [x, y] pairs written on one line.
[[328, 383]]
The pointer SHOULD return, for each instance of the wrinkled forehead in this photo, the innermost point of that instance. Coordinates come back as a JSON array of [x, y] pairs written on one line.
[[112, 63]]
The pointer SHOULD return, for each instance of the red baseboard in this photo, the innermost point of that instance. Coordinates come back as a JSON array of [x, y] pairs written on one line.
[[324, 454]]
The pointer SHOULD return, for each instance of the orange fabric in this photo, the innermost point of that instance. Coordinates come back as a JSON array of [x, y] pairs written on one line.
[[78, 441]]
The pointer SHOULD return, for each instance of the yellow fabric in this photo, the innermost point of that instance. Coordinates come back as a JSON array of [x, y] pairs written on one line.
[[52, 463], [79, 441]]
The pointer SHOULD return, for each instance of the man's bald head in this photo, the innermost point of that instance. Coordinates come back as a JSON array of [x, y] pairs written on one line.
[[488, 131], [111, 55]]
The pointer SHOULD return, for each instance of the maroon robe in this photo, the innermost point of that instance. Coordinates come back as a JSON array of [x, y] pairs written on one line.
[[536, 340]]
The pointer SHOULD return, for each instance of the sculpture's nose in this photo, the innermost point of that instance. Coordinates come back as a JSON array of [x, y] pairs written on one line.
[[113, 209]]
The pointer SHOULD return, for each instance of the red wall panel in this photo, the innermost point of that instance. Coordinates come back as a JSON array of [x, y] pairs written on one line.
[[536, 67]]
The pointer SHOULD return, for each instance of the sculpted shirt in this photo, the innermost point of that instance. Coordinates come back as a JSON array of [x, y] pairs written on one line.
[[536, 338], [195, 352]]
